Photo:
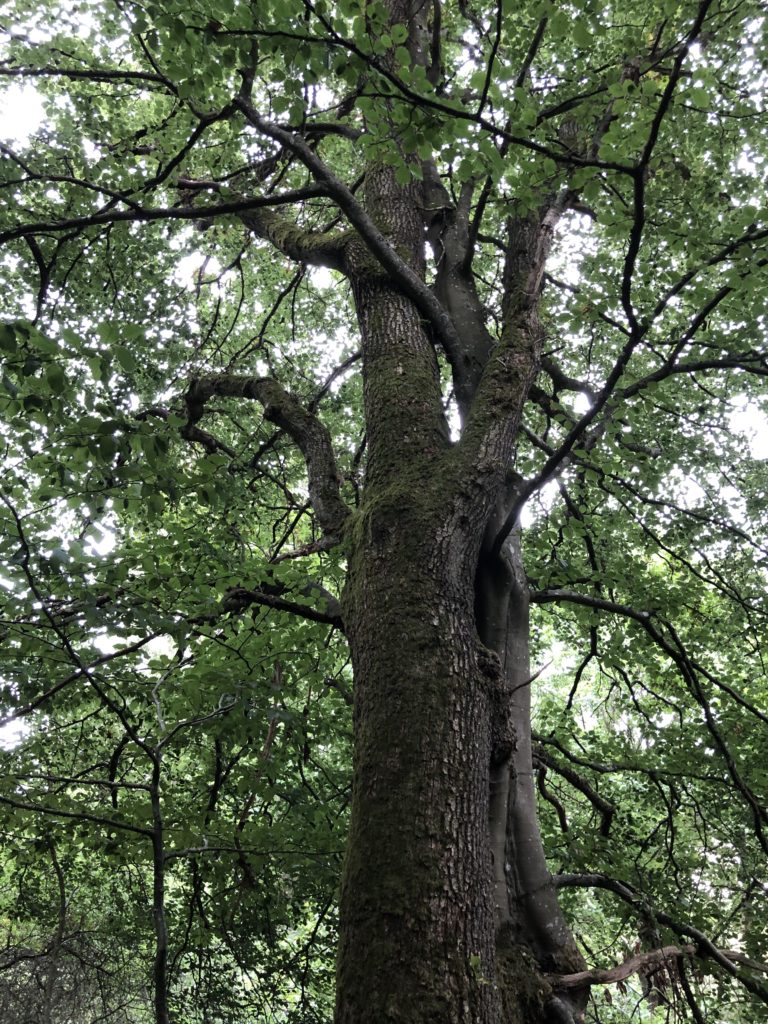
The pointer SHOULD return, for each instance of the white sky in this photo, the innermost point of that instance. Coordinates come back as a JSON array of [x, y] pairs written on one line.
[[21, 113]]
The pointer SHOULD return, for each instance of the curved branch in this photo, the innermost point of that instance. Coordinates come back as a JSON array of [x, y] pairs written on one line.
[[287, 412], [639, 962], [705, 948]]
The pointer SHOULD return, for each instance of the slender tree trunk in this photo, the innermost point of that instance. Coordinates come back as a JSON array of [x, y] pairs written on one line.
[[532, 934]]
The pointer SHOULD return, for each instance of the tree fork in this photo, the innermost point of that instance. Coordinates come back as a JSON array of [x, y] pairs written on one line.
[[445, 868]]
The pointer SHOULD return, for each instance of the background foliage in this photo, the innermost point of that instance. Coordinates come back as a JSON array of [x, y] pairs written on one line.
[[181, 772]]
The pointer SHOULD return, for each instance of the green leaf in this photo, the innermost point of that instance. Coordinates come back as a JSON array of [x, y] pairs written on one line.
[[126, 358], [8, 341], [582, 33], [55, 378], [403, 56]]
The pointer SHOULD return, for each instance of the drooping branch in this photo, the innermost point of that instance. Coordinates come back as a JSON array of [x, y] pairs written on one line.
[[690, 670], [287, 412]]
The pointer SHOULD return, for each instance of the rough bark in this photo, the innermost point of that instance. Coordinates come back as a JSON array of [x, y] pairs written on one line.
[[417, 924], [447, 909], [417, 916], [448, 914]]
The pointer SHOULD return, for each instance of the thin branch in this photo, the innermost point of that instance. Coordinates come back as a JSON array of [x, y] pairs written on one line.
[[92, 74], [491, 58], [422, 101], [59, 812], [640, 173], [197, 213], [237, 599], [601, 805]]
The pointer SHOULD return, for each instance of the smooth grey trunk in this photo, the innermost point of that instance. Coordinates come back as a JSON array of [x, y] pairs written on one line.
[[528, 915]]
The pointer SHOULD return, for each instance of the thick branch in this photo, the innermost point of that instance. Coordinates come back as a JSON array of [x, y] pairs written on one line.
[[652, 958], [398, 270], [318, 248], [307, 431], [449, 235], [494, 418]]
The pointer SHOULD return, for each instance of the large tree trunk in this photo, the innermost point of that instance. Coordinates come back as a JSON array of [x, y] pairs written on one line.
[[447, 911], [417, 914], [448, 914]]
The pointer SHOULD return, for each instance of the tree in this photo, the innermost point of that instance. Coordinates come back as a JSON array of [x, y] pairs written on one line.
[[453, 266]]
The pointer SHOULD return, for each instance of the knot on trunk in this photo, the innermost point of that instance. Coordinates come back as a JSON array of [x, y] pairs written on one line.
[[527, 995], [500, 693]]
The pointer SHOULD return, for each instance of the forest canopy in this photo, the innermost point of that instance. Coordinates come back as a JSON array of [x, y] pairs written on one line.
[[383, 512]]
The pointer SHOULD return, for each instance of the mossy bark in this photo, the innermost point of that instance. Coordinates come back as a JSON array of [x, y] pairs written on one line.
[[443, 828], [445, 916], [417, 915], [438, 922]]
